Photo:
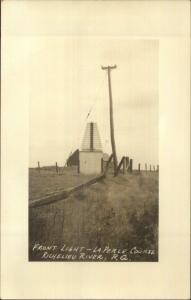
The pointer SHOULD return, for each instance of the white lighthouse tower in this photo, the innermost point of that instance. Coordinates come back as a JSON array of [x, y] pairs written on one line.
[[91, 152]]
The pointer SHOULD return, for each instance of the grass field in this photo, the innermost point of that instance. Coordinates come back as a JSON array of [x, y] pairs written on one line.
[[48, 181], [119, 212]]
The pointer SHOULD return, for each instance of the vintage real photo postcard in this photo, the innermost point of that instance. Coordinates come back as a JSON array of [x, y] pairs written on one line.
[[96, 149]]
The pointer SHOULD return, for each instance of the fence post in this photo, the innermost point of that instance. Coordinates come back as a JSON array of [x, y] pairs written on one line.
[[139, 167], [120, 164], [153, 168], [108, 162], [56, 168], [145, 167], [78, 170], [102, 165], [150, 168], [127, 163], [157, 168], [124, 164], [38, 166], [131, 165]]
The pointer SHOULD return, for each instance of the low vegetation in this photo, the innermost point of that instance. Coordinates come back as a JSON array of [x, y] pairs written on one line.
[[121, 212], [49, 181]]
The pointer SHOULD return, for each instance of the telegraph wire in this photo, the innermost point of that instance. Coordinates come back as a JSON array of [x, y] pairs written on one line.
[[87, 116]]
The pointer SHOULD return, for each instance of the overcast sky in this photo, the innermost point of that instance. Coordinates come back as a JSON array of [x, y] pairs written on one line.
[[66, 81]]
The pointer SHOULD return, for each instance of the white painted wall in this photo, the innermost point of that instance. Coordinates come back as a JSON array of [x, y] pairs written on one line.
[[90, 162]]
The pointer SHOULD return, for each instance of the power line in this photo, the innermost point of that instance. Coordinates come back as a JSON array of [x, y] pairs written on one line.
[[89, 113]]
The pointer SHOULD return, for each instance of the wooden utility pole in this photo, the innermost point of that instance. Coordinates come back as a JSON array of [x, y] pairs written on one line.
[[109, 68]]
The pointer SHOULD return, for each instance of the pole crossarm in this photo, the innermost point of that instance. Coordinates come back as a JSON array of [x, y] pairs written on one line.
[[109, 67]]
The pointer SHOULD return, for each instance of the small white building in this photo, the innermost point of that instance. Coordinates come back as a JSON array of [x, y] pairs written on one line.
[[91, 154]]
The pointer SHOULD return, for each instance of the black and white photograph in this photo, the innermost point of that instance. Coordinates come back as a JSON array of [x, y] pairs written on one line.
[[94, 170]]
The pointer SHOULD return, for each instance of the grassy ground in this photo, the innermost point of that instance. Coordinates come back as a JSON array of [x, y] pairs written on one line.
[[119, 212], [48, 181]]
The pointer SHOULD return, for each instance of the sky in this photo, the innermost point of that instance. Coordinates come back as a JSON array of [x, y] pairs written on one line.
[[66, 82]]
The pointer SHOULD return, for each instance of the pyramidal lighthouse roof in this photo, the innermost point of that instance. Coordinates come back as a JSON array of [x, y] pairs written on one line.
[[91, 140]]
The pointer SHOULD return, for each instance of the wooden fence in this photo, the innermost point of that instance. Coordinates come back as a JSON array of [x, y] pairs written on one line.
[[61, 195], [125, 165]]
